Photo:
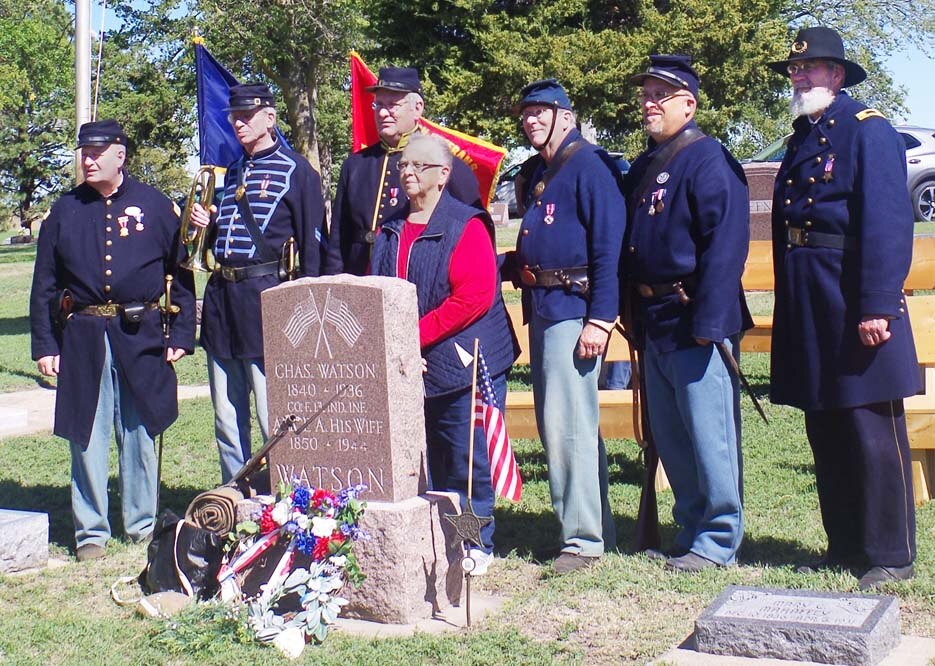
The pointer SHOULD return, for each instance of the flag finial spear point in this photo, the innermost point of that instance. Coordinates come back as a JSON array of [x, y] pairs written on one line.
[[196, 37]]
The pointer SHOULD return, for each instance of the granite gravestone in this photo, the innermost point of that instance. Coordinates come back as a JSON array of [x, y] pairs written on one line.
[[357, 338], [823, 627], [354, 342], [760, 180]]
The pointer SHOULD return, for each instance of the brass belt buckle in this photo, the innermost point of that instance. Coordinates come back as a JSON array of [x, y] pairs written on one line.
[[370, 237], [229, 273], [108, 310], [796, 236], [527, 277], [645, 290]]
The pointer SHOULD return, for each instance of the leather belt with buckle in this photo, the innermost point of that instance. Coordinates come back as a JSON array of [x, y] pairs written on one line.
[[238, 273], [805, 238], [108, 309], [660, 289], [575, 278]]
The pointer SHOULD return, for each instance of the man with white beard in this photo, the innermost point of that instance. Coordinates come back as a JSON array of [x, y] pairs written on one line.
[[842, 346]]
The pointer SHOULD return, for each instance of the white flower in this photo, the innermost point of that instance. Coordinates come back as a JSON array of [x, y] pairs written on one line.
[[322, 527], [301, 520], [281, 513], [338, 560], [290, 642]]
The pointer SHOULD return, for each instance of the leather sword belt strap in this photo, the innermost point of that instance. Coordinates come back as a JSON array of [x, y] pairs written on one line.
[[805, 238], [239, 273], [568, 278], [660, 289], [109, 309], [368, 236]]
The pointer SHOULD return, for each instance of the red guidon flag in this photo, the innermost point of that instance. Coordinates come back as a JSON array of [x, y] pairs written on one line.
[[484, 158]]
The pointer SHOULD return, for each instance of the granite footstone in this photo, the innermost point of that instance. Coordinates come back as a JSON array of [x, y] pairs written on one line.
[[822, 627], [24, 540]]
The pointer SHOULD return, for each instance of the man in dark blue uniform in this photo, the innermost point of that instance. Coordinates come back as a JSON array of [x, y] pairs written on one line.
[[272, 202], [566, 257], [104, 253], [842, 345], [686, 244], [368, 190]]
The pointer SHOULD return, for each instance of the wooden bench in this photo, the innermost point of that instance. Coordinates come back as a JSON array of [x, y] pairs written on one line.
[[616, 406]]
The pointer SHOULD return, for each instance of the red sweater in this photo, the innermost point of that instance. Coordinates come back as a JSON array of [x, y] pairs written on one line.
[[472, 275]]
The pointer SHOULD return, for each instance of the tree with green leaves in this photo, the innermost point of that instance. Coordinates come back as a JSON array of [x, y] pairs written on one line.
[[36, 104], [476, 54]]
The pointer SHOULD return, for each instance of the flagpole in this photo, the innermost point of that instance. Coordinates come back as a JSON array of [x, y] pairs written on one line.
[[82, 74], [470, 485]]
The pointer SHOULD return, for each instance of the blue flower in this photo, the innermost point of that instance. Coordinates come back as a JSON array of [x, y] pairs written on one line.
[[304, 542], [300, 498]]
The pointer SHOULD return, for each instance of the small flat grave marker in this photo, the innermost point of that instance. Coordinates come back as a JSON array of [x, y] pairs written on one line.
[[823, 627], [24, 540]]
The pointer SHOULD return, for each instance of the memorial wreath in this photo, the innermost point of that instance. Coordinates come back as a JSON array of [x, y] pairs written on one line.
[[307, 535]]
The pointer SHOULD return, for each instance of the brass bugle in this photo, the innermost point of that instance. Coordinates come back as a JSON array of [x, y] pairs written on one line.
[[202, 192]]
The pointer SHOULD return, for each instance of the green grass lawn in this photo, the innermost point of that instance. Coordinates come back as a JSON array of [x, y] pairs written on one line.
[[625, 610]]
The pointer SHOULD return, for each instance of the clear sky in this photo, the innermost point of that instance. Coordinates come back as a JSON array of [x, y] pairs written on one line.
[[914, 70]]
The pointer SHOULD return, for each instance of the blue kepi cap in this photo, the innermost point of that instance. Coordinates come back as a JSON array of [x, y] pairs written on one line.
[[101, 133], [548, 92], [676, 70], [250, 96]]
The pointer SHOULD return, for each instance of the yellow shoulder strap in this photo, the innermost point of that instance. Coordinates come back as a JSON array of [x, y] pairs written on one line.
[[869, 113]]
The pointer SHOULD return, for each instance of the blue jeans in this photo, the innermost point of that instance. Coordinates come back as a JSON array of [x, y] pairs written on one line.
[[138, 465], [615, 375], [231, 381], [565, 395], [447, 427], [694, 414]]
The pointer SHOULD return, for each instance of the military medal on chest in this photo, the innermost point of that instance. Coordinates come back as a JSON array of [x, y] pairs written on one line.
[[656, 204], [394, 196], [136, 214], [549, 213], [122, 220], [829, 168], [264, 185]]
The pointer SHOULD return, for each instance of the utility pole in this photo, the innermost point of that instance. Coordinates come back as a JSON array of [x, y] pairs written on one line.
[[82, 73]]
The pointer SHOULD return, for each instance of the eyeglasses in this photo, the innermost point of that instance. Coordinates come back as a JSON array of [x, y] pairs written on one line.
[[806, 67], [418, 167], [534, 112], [659, 97], [392, 109]]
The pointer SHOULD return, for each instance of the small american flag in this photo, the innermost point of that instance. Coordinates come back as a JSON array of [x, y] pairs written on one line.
[[304, 316], [338, 315], [504, 472]]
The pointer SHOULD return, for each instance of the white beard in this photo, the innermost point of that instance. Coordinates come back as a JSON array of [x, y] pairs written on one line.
[[806, 103]]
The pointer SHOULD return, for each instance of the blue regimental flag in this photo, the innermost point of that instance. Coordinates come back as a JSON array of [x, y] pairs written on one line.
[[218, 145]]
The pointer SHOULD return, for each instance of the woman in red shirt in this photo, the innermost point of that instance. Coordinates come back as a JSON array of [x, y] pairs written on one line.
[[446, 249]]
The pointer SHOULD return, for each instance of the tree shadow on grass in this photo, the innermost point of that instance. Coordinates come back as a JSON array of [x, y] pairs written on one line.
[[56, 502]]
